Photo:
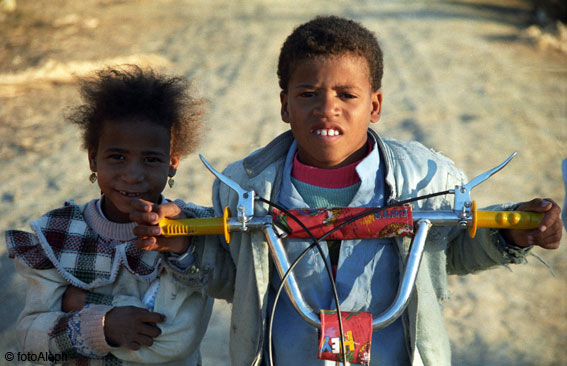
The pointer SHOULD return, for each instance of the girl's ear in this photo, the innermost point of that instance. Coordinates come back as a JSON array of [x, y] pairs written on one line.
[[173, 164], [284, 112], [92, 159], [375, 112]]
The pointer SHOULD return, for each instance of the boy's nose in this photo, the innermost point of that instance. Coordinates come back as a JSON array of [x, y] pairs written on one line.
[[327, 106]]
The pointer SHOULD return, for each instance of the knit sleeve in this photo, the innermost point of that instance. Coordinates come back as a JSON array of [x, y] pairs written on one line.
[[84, 332], [59, 339]]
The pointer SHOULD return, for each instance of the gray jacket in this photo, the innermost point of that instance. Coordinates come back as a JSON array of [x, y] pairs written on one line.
[[412, 170]]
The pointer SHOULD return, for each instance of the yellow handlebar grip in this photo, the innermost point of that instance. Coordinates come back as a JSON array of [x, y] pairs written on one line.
[[203, 226], [183, 227], [509, 219], [503, 220]]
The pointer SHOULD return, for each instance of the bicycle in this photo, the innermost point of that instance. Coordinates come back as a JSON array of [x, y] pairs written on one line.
[[388, 221]]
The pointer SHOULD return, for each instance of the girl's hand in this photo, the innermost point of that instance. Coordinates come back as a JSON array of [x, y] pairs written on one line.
[[147, 215], [74, 299], [131, 327]]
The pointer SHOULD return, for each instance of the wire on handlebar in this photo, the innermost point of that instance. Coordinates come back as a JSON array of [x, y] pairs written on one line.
[[378, 209], [316, 242], [280, 288]]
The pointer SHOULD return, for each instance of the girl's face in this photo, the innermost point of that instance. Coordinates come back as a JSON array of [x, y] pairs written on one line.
[[132, 161]]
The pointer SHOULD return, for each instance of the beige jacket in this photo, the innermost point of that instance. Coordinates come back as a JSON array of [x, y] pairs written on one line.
[[412, 170]]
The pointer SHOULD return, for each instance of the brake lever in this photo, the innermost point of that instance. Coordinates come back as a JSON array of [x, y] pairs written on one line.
[[245, 206], [463, 201], [484, 176]]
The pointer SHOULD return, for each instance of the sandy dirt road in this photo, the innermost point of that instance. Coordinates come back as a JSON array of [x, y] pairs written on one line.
[[459, 77]]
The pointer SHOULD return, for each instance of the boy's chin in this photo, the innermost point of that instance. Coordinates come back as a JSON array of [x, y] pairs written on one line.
[[339, 162], [327, 164]]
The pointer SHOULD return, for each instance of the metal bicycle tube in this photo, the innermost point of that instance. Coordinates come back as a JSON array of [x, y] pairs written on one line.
[[408, 279], [437, 218], [282, 265]]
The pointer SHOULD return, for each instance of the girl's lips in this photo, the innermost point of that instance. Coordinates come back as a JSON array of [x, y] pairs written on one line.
[[130, 194]]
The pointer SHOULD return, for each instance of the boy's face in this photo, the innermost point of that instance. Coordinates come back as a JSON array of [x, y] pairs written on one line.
[[329, 104], [132, 161]]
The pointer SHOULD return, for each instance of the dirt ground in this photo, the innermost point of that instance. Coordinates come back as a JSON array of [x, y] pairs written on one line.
[[469, 78]]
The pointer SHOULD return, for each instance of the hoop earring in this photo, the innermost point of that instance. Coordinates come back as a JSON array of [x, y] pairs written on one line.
[[170, 182], [93, 177]]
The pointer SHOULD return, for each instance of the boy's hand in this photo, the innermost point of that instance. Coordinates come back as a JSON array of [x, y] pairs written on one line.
[[131, 327], [547, 235], [147, 215], [74, 299]]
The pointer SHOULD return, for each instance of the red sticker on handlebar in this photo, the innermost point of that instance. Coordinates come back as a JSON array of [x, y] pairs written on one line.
[[386, 223], [357, 328]]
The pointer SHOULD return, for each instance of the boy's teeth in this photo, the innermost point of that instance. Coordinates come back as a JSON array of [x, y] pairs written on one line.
[[329, 132], [129, 194]]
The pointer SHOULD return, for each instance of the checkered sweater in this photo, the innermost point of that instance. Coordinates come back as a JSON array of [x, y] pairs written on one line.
[[86, 250], [77, 245]]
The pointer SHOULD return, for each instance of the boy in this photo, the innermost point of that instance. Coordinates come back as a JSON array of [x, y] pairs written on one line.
[[330, 72]]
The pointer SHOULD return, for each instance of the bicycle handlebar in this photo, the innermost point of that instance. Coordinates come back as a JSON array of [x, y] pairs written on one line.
[[480, 219], [423, 220], [464, 215]]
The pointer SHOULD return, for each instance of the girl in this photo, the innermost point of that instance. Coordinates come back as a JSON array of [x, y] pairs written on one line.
[[92, 297]]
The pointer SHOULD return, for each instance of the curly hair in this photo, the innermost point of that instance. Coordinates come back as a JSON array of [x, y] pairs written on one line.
[[129, 91], [330, 36]]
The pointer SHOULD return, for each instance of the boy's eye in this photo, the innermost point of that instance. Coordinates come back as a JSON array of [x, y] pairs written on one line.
[[347, 96], [152, 159], [117, 157], [307, 94]]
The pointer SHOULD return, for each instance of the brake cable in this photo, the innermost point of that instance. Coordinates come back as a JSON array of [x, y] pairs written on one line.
[[378, 209], [316, 242]]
